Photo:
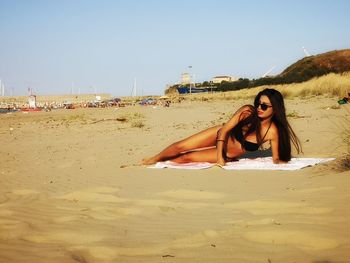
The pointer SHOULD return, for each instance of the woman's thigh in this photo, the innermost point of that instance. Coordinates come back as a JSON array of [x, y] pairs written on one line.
[[206, 155], [206, 138]]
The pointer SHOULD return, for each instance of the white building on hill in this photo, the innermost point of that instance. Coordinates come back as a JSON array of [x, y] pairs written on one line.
[[219, 79]]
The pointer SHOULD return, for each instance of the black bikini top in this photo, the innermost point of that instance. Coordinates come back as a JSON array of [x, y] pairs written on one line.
[[247, 145]]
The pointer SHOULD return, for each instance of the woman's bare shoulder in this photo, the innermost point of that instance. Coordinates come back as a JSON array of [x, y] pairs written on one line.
[[273, 131]]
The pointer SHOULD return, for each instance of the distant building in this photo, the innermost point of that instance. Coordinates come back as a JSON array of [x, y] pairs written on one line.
[[185, 78], [219, 79]]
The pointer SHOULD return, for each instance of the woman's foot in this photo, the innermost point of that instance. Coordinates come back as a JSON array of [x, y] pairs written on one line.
[[149, 161]]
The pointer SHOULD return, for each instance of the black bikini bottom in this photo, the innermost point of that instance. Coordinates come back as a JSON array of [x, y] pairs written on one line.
[[228, 159]]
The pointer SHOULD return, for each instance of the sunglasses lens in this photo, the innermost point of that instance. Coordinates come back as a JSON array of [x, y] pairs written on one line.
[[263, 107]]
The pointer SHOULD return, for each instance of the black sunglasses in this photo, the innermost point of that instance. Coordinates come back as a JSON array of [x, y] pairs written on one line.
[[263, 106]]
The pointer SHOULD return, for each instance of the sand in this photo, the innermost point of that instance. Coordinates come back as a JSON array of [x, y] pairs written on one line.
[[71, 190]]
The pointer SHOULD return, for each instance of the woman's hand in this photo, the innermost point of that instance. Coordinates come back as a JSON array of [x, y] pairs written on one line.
[[220, 162], [278, 161]]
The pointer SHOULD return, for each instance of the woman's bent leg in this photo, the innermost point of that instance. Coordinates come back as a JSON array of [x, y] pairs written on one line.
[[206, 138], [207, 155]]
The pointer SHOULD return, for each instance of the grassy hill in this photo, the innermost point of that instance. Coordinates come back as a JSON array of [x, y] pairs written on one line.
[[337, 61]]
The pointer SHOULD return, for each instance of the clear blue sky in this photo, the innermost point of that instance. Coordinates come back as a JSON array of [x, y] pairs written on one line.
[[52, 46]]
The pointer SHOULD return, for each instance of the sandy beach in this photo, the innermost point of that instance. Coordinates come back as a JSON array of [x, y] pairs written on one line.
[[72, 189]]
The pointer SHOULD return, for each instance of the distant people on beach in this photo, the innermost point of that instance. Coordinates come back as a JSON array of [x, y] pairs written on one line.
[[345, 99], [246, 131], [167, 103]]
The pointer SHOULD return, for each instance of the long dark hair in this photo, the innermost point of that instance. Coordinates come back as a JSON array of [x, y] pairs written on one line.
[[252, 124], [286, 134]]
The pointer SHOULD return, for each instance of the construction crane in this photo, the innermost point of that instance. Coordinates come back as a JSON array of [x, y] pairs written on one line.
[[268, 72], [307, 54], [2, 89], [134, 89]]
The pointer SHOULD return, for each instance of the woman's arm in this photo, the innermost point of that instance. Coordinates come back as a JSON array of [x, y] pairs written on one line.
[[274, 146], [219, 148], [239, 115]]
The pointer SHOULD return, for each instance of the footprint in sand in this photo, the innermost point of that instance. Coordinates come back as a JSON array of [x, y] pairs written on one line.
[[191, 194], [64, 165], [100, 194], [10, 228], [92, 199], [106, 253], [181, 199], [170, 205], [196, 240], [67, 219], [80, 196], [66, 237], [103, 189], [258, 222], [24, 192], [111, 253], [303, 240], [315, 190], [112, 213], [5, 212], [260, 207]]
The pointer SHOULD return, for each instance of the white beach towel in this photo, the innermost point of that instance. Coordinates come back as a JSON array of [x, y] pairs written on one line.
[[189, 166], [263, 163]]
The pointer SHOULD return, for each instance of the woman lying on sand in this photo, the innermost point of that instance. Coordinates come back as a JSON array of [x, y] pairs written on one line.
[[247, 130]]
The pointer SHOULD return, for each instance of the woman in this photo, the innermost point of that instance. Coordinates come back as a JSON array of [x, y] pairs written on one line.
[[247, 130]]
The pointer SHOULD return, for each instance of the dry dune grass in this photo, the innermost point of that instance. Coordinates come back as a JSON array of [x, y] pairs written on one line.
[[337, 85]]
